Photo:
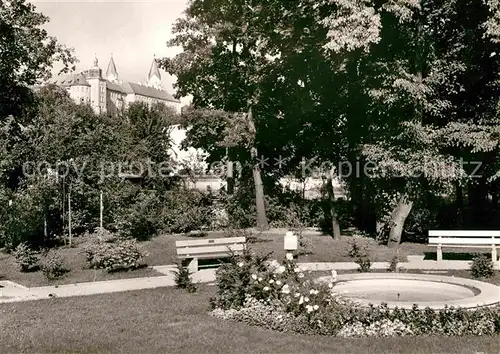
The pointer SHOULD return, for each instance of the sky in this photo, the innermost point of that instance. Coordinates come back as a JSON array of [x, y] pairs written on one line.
[[133, 31]]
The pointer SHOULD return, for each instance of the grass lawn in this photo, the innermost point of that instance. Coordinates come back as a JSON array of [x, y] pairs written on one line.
[[78, 273], [171, 321], [161, 251]]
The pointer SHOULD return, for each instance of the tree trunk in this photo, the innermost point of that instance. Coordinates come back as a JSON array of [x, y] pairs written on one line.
[[230, 185], [229, 173], [262, 223], [333, 211], [495, 195], [399, 216], [459, 204]]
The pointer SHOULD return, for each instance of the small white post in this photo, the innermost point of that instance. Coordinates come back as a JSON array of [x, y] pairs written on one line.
[[439, 251], [290, 244], [69, 215], [494, 256], [101, 210], [193, 265]]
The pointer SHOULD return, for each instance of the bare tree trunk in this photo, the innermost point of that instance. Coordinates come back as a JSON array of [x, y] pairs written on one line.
[[69, 216], [230, 185], [459, 203], [333, 211], [399, 215], [229, 174], [495, 194], [101, 209], [45, 233], [262, 223]]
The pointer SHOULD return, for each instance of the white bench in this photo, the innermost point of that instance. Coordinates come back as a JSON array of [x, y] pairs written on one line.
[[209, 249], [465, 239]]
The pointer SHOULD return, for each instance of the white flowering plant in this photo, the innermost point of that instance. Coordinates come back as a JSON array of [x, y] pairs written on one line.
[[257, 276], [281, 285], [277, 295]]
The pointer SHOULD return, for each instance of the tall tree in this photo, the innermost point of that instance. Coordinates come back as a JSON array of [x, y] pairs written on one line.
[[27, 54], [222, 67]]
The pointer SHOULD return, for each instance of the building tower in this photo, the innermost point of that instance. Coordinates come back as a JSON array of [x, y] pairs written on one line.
[[111, 73], [80, 90], [97, 88], [154, 77]]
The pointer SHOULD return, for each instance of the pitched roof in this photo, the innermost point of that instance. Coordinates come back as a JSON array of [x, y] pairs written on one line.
[[111, 71], [151, 92], [146, 91], [122, 87], [80, 81], [64, 80], [126, 87], [154, 71], [114, 87]]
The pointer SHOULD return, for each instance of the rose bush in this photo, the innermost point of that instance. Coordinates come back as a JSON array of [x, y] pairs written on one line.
[[278, 295]]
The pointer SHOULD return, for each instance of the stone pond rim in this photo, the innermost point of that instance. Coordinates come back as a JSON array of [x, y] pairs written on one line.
[[469, 293]]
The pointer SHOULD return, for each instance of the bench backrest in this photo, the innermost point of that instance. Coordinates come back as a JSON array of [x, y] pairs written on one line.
[[210, 248], [464, 237]]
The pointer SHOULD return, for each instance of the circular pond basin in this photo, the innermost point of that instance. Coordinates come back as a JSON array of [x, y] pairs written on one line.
[[405, 290]]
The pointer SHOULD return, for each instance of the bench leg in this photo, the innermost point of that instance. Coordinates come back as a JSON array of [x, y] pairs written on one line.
[[193, 265], [439, 253], [494, 256]]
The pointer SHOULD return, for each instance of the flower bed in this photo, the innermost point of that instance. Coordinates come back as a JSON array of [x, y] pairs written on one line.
[[279, 296]]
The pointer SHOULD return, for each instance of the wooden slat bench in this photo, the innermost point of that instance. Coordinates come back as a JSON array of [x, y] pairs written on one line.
[[465, 239], [217, 248]]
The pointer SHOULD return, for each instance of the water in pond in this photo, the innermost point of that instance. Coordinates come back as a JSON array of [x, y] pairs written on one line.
[[402, 290]]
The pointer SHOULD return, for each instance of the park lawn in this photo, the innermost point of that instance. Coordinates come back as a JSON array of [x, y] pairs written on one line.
[[168, 320], [324, 248], [78, 274], [161, 251]]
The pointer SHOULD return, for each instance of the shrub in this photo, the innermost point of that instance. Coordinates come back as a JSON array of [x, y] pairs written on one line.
[[234, 279], [384, 328], [101, 234], [482, 267], [355, 249], [141, 219], [240, 206], [220, 218], [187, 210], [360, 255], [125, 254], [270, 316], [393, 264], [23, 220], [364, 263], [183, 279], [304, 245], [26, 258], [54, 266], [275, 295]]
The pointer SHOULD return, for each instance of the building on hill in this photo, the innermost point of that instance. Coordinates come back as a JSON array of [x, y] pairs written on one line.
[[110, 94]]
